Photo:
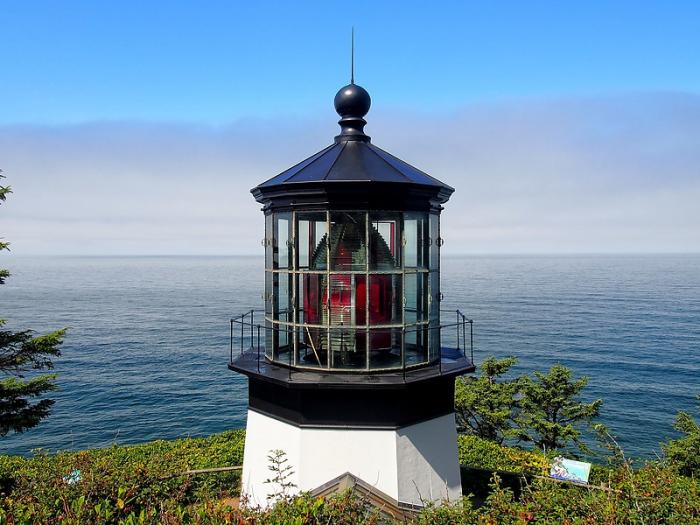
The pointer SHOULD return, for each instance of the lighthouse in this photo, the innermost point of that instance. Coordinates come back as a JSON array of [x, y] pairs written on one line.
[[352, 364]]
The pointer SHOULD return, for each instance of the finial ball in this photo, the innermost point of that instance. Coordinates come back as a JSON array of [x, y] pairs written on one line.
[[352, 101]]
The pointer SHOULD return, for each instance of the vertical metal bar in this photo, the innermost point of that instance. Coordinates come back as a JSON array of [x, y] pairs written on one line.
[[258, 348], [343, 353], [401, 249], [252, 321], [329, 350], [471, 339], [274, 289], [437, 297], [295, 284], [231, 358], [289, 353], [457, 326], [403, 351], [241, 341], [440, 353], [367, 288]]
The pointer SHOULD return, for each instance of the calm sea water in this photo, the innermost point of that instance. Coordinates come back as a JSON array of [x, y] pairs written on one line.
[[147, 349]]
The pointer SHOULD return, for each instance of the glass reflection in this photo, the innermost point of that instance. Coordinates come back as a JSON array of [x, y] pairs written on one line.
[[385, 241], [352, 290]]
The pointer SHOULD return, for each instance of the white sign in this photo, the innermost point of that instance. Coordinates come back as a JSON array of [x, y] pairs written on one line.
[[570, 470]]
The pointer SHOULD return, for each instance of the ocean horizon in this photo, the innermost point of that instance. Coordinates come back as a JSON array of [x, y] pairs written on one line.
[[147, 347]]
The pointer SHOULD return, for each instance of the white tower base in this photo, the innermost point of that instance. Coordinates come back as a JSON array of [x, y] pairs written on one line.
[[414, 464]]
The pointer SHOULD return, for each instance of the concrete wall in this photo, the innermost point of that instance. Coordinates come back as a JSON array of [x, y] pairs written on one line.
[[414, 464]]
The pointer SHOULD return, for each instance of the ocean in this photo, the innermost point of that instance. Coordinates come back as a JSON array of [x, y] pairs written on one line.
[[146, 352]]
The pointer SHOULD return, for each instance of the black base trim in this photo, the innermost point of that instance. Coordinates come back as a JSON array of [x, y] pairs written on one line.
[[368, 408]]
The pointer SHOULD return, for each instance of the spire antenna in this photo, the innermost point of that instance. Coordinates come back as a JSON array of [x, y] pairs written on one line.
[[352, 56]]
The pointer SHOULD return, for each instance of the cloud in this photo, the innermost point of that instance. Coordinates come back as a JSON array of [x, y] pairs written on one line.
[[605, 174]]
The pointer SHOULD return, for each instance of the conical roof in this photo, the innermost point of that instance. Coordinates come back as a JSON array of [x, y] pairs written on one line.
[[352, 171]]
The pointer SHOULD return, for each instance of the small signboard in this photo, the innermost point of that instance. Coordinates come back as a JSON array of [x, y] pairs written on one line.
[[570, 470]]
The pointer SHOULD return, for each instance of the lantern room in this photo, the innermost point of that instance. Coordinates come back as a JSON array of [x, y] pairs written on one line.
[[352, 289], [352, 255]]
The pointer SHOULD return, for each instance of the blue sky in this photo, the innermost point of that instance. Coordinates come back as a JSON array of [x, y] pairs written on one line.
[[67, 62], [139, 127]]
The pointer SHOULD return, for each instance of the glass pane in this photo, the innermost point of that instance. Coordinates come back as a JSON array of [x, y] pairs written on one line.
[[282, 297], [385, 348], [285, 344], [360, 300], [410, 295], [311, 235], [268, 294], [281, 312], [341, 296], [434, 296], [312, 305], [268, 312], [283, 240], [416, 345], [303, 235], [348, 348], [434, 340], [268, 240], [348, 243], [434, 245], [385, 299], [300, 295], [312, 347], [269, 333], [385, 241], [434, 334], [415, 240], [416, 297]]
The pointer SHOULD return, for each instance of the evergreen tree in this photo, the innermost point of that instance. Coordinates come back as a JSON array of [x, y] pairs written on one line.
[[21, 403], [685, 452], [485, 406], [551, 414]]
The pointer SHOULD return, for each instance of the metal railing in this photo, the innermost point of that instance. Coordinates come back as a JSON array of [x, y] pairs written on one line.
[[251, 332]]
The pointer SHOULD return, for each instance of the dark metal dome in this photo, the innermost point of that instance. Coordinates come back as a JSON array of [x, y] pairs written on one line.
[[352, 101]]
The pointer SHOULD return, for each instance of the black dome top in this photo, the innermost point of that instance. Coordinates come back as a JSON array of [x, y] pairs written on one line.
[[352, 101]]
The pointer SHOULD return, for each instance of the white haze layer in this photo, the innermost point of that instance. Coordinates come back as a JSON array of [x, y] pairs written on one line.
[[603, 174]]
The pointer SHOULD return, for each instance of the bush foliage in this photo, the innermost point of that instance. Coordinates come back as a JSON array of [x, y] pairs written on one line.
[[109, 485], [479, 453], [486, 405], [143, 484], [652, 495], [685, 452], [544, 410]]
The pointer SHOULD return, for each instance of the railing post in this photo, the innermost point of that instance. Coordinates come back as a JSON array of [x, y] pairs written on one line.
[[242, 326], [289, 353], [440, 352], [458, 321], [471, 339], [252, 322], [231, 357], [258, 348], [403, 352]]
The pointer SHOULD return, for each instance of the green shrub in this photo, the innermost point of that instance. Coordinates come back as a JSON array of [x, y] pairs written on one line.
[[479, 453], [685, 452], [652, 495], [117, 481], [142, 484]]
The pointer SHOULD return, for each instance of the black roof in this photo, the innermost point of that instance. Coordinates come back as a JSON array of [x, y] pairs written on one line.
[[353, 171]]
